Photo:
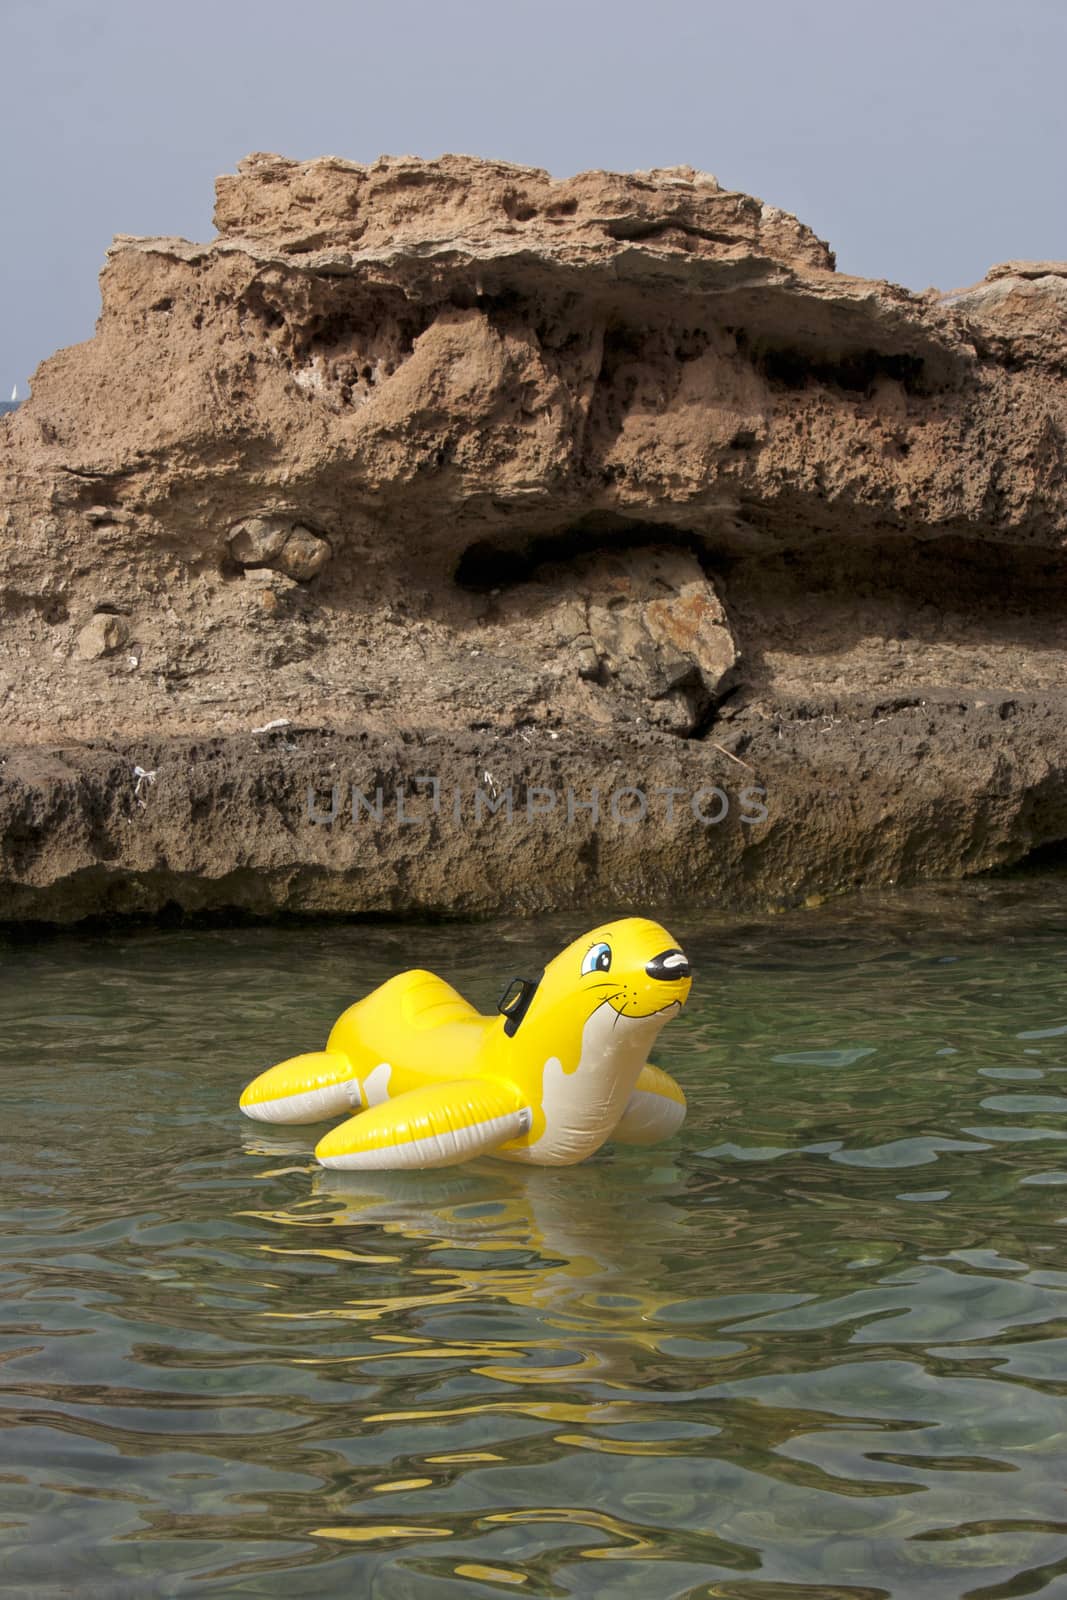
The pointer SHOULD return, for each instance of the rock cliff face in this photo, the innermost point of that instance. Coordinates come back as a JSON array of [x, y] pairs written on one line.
[[685, 565]]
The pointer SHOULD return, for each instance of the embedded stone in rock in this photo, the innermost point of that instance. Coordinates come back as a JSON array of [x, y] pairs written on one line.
[[256, 541], [642, 626], [690, 626], [102, 635], [588, 659], [303, 555], [281, 544], [659, 629]]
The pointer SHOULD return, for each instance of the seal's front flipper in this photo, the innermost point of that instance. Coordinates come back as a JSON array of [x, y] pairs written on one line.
[[308, 1088], [654, 1111], [439, 1125]]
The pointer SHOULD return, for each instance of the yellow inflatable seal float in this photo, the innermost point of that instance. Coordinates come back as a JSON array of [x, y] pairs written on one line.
[[561, 1069]]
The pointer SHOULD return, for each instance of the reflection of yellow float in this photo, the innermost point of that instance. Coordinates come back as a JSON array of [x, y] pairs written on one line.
[[561, 1069]]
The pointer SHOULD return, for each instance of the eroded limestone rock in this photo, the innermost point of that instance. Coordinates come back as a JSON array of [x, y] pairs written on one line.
[[613, 384]]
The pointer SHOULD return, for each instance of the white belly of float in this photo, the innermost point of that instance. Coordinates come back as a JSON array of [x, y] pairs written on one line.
[[582, 1107]]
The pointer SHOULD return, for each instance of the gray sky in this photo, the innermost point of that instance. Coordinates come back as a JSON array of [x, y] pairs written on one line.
[[923, 138]]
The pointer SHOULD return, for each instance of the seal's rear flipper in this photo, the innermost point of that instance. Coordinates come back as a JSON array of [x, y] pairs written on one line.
[[439, 1125], [308, 1088], [654, 1111]]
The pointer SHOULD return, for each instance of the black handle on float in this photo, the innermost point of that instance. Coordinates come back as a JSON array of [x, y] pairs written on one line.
[[514, 1002]]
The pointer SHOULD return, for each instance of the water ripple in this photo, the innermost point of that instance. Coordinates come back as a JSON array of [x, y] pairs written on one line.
[[814, 1347]]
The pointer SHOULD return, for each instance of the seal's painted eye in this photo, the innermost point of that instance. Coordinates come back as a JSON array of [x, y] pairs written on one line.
[[598, 959]]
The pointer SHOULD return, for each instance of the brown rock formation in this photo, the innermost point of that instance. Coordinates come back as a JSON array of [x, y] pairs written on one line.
[[610, 482]]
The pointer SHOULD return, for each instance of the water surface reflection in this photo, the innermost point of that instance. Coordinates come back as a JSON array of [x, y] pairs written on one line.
[[817, 1345]]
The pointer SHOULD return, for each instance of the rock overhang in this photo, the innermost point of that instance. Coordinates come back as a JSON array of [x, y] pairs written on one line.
[[249, 499]]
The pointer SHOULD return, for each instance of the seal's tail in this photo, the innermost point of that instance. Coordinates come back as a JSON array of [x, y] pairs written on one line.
[[307, 1088]]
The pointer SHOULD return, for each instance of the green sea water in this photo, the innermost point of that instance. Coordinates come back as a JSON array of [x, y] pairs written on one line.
[[814, 1346]]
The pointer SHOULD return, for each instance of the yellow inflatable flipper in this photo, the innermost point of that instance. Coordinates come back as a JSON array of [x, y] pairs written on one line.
[[307, 1088], [654, 1111], [440, 1125]]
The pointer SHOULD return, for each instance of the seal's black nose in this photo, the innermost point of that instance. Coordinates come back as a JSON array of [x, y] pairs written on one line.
[[670, 965]]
